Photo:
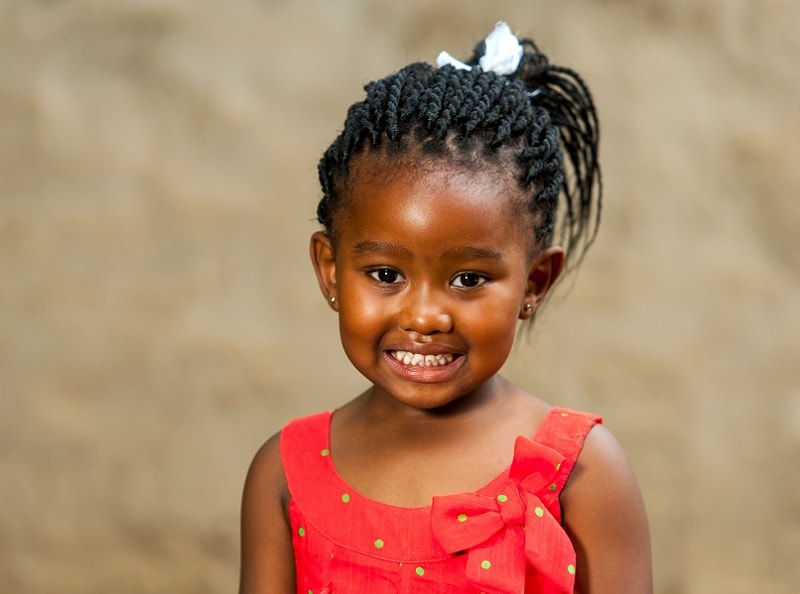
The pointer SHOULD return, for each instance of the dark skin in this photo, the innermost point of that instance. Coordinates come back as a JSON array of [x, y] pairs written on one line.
[[427, 263]]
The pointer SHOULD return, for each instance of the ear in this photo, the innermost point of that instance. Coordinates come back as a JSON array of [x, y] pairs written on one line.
[[543, 273], [324, 260]]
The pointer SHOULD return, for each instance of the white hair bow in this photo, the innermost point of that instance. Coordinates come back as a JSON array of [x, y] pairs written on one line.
[[502, 56]]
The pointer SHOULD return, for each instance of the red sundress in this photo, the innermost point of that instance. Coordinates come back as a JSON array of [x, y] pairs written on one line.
[[504, 538]]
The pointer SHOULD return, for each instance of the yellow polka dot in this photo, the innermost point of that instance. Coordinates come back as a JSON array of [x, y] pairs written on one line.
[[538, 511], [502, 498], [378, 543], [325, 452], [420, 571], [462, 517], [571, 569], [485, 564], [301, 532], [564, 415], [558, 466], [345, 498]]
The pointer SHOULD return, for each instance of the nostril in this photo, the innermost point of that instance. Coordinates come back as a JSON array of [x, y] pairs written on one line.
[[424, 311]]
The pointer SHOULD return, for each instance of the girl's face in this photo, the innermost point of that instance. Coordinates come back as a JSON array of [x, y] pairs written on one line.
[[431, 272]]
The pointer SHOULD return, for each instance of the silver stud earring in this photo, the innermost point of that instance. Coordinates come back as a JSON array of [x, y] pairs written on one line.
[[332, 299], [528, 308]]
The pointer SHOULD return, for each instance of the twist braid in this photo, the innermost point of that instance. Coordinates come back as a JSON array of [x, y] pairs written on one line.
[[541, 119]]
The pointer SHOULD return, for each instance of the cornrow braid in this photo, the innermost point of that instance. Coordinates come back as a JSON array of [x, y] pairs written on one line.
[[532, 118]]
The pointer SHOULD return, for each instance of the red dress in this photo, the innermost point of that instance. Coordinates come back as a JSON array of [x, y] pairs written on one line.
[[505, 538]]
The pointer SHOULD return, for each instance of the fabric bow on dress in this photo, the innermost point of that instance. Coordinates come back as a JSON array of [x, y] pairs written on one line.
[[512, 535]]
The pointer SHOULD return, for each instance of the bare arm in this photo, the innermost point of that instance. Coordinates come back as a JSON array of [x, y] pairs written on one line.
[[606, 520], [267, 565]]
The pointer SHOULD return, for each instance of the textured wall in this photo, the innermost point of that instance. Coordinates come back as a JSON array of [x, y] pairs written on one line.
[[159, 319]]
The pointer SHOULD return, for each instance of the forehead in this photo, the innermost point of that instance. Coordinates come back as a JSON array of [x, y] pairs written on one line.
[[430, 203]]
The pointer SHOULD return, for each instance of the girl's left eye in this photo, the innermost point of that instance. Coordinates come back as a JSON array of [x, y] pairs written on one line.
[[468, 280]]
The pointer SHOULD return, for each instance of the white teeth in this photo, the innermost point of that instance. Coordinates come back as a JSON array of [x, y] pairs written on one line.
[[417, 360]]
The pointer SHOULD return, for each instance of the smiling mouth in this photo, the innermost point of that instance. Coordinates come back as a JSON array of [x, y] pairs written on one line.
[[418, 360]]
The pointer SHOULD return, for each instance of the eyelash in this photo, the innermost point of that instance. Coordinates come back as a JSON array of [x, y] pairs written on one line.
[[374, 274], [398, 277], [479, 277]]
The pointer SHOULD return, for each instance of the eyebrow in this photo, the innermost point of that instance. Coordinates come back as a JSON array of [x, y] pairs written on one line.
[[473, 253], [458, 253], [380, 247]]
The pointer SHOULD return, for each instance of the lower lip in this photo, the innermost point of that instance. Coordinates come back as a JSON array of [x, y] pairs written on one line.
[[425, 375]]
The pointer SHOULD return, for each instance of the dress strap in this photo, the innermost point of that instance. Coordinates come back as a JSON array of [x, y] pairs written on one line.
[[565, 431], [304, 442]]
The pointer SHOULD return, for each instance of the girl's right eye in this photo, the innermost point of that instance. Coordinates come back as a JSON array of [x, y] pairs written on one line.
[[386, 276]]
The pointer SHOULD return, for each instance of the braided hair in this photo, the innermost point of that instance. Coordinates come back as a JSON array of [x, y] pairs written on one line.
[[528, 121]]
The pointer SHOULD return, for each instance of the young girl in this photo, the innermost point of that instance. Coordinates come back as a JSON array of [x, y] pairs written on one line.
[[440, 232]]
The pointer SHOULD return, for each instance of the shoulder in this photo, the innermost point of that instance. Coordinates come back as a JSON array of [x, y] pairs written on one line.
[[600, 455], [265, 498], [605, 517], [265, 474], [267, 559], [602, 471]]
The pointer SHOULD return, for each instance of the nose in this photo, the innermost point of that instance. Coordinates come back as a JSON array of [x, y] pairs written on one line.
[[424, 312]]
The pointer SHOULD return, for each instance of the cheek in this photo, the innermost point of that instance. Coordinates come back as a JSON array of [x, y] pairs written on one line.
[[360, 316], [494, 321], [362, 323]]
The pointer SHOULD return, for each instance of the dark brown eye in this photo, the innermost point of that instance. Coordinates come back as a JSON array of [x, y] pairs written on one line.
[[468, 280], [386, 276]]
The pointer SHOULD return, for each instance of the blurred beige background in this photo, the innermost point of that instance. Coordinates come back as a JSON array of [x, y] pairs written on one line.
[[159, 319]]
